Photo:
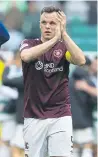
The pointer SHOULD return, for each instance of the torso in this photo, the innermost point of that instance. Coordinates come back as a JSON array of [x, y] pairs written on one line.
[[46, 93]]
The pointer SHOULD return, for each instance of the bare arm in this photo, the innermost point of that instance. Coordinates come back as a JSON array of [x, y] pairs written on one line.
[[76, 55], [91, 90], [84, 86], [36, 51]]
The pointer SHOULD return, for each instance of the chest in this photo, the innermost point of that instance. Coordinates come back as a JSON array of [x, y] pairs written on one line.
[[52, 62], [55, 55]]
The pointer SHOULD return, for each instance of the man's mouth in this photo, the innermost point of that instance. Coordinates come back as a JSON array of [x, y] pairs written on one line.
[[47, 32]]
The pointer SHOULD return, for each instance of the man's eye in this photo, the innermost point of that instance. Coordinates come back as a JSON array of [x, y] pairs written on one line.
[[52, 23], [43, 22]]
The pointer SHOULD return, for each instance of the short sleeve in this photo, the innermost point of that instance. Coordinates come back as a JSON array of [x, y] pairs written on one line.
[[26, 44], [68, 56]]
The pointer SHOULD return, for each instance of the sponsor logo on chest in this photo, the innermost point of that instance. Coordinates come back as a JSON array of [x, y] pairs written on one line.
[[48, 67]]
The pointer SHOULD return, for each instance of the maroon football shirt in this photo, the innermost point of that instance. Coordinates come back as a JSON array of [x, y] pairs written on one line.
[[46, 93]]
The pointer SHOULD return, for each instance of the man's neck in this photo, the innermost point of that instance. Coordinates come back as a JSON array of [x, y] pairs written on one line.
[[43, 40]]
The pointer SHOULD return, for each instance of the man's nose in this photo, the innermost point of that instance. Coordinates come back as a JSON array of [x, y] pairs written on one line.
[[47, 25]]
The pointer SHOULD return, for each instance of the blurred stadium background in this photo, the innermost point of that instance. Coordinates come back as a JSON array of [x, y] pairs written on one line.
[[22, 20]]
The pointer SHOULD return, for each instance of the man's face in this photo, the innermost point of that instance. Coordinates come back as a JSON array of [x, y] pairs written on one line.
[[48, 23]]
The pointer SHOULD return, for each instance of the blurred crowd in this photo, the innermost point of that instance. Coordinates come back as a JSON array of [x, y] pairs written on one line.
[[22, 20], [83, 89]]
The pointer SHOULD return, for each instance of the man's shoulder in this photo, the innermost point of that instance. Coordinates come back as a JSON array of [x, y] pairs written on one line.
[[30, 40], [28, 43]]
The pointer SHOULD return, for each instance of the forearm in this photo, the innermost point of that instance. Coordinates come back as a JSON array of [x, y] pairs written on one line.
[[91, 90], [33, 53], [77, 55]]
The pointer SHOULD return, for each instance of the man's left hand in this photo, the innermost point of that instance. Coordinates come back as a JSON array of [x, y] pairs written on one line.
[[62, 18]]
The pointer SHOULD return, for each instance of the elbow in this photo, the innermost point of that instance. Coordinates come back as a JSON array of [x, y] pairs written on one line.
[[27, 57], [82, 62], [24, 57]]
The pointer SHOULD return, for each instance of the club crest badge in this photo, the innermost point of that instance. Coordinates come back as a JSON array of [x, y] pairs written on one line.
[[58, 53]]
